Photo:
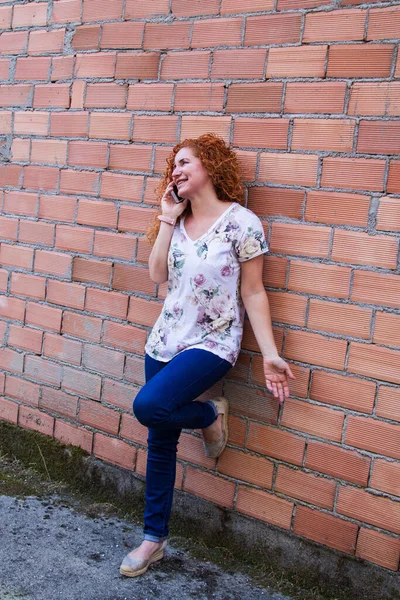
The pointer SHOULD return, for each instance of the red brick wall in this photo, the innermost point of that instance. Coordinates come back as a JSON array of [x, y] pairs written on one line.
[[93, 95]]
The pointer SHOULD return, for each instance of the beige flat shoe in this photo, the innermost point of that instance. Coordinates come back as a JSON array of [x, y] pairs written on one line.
[[213, 450], [133, 567]]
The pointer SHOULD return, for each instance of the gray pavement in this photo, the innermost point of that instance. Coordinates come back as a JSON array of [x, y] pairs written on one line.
[[50, 551]]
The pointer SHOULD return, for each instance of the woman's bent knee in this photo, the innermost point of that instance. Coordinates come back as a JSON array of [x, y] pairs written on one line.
[[147, 411]]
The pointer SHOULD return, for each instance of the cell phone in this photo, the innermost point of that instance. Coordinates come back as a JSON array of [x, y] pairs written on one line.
[[175, 196]]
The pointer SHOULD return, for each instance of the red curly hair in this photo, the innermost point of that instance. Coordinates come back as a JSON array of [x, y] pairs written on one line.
[[221, 164]]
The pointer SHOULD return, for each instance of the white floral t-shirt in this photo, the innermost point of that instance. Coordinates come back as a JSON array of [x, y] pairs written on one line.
[[203, 308]]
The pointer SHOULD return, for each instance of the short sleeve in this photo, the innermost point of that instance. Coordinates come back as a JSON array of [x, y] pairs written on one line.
[[252, 241]]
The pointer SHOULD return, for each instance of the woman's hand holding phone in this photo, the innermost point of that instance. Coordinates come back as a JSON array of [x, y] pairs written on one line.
[[170, 207]]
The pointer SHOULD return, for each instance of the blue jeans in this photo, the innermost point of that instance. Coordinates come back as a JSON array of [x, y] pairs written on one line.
[[166, 405]]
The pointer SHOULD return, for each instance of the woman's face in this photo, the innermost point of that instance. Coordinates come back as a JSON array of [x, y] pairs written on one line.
[[189, 175]]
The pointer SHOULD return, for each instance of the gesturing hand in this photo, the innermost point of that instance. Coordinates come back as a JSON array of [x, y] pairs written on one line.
[[277, 373]]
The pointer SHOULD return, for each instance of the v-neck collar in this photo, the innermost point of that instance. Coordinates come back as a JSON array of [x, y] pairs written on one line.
[[196, 241]]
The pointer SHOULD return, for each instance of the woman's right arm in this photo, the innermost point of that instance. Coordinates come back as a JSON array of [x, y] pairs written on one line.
[[158, 261]]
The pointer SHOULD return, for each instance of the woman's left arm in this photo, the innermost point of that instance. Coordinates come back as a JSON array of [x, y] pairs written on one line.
[[277, 372]]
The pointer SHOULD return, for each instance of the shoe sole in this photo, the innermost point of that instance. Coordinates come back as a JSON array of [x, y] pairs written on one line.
[[156, 557]]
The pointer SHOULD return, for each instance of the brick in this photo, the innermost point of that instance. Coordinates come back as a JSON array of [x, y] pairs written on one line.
[[122, 187], [376, 288], [43, 370], [14, 95], [237, 431], [103, 360], [114, 451], [150, 195], [158, 129], [66, 294], [340, 318], [5, 122], [114, 245], [101, 10], [25, 338], [10, 175], [338, 462], [21, 203], [79, 182], [130, 279], [132, 430], [8, 228], [360, 248], [41, 42], [373, 435], [87, 37], [118, 394], [297, 169], [5, 16], [53, 263], [383, 23], [375, 99], [98, 64], [105, 95], [388, 405], [81, 326], [321, 97], [264, 506], [154, 8], [312, 419], [299, 61], [78, 94], [338, 25], [246, 467], [305, 486], [135, 219], [255, 404], [16, 256], [62, 349], [62, 67], [91, 271], [185, 65], [130, 158], [13, 42], [87, 154], [138, 65], [41, 178], [233, 6], [8, 411], [49, 151], [387, 329], [68, 124], [75, 436], [326, 529], [368, 508], [66, 11], [388, 218], [31, 418], [374, 361], [115, 126], [337, 208], [292, 4], [253, 97], [150, 97], [143, 312], [11, 360], [273, 29], [111, 304], [82, 383], [5, 67], [180, 8], [287, 308], [122, 35], [43, 316], [386, 477], [56, 401], [323, 134], [194, 126], [217, 32], [125, 337], [378, 548], [212, 488], [20, 149], [393, 184], [30, 15], [173, 35], [77, 239], [261, 133], [365, 60], [300, 239], [56, 94], [276, 443], [12, 308], [247, 164], [31, 123], [348, 392], [353, 173], [238, 64], [315, 349], [98, 214], [379, 137], [98, 416], [28, 285]]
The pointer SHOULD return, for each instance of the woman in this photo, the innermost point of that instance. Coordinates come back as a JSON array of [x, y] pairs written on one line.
[[210, 249]]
